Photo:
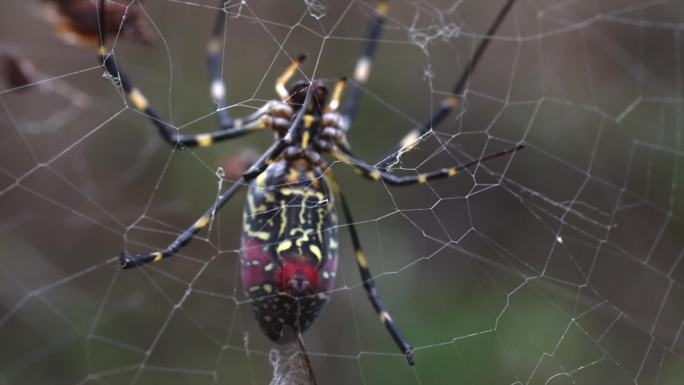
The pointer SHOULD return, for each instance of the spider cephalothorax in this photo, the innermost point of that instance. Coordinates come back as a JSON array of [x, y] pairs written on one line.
[[298, 95], [289, 238]]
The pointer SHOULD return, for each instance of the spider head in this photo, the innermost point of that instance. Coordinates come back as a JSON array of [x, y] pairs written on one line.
[[298, 94]]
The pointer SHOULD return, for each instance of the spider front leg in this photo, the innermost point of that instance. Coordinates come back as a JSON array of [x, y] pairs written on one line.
[[215, 69], [365, 61], [186, 236], [272, 115], [410, 140], [362, 72]]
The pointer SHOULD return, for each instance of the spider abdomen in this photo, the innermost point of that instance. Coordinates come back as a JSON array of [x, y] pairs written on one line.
[[289, 248]]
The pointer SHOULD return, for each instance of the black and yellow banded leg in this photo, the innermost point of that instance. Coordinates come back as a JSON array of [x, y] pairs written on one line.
[[254, 171], [128, 261], [410, 140], [267, 158], [369, 284], [375, 174], [215, 68], [280, 88], [334, 103], [447, 104], [237, 128], [365, 61]]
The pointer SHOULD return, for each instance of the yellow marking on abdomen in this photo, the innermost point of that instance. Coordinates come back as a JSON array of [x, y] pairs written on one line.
[[263, 235], [316, 251], [284, 245], [253, 208], [304, 193], [261, 180], [283, 218], [308, 120], [303, 238], [305, 139]]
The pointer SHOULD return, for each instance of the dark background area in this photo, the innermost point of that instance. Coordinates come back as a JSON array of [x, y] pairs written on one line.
[[559, 265]]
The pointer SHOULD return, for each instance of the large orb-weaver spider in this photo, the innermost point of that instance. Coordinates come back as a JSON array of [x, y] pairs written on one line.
[[289, 238]]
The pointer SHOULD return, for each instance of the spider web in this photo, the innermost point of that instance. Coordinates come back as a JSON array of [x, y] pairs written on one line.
[[559, 265]]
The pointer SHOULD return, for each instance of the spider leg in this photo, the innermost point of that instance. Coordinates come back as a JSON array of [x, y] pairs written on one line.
[[369, 283], [289, 72], [334, 103], [186, 236], [215, 69], [364, 62], [238, 127], [127, 261], [447, 105], [375, 173]]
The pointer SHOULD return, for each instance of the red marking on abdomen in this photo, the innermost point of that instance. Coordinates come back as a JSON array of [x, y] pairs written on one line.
[[294, 271], [254, 262]]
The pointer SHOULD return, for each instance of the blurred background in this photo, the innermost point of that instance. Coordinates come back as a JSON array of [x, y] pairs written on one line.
[[559, 265]]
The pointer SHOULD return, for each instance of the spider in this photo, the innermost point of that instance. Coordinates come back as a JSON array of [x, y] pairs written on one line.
[[289, 245]]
